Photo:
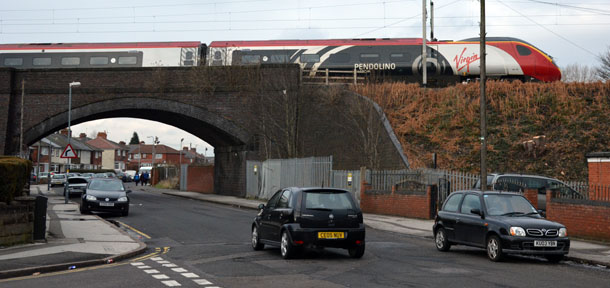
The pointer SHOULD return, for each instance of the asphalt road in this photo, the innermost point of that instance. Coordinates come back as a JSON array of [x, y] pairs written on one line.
[[199, 244]]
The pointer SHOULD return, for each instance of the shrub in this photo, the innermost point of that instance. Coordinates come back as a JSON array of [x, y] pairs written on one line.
[[15, 174]]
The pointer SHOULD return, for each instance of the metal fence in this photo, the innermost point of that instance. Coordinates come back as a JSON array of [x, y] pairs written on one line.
[[585, 191], [265, 178]]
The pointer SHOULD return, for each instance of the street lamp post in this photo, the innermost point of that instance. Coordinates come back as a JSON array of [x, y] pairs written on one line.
[[180, 167], [155, 139], [72, 84]]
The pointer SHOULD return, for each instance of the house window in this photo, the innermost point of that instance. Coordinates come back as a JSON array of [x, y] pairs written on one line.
[[78, 153], [118, 153], [116, 165], [56, 152], [158, 156], [144, 155], [44, 151], [136, 156], [124, 153]]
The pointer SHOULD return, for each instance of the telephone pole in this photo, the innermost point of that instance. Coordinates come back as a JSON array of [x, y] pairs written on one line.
[[424, 56], [483, 103]]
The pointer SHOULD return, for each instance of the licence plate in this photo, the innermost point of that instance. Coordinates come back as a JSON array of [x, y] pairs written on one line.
[[107, 204], [541, 243], [331, 235]]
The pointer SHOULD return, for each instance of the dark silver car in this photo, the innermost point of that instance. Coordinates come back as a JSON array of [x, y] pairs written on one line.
[[519, 182]]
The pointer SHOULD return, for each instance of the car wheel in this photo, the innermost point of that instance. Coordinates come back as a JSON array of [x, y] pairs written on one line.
[[440, 239], [494, 249], [84, 211], [125, 213], [286, 247], [256, 244], [357, 251], [554, 258]]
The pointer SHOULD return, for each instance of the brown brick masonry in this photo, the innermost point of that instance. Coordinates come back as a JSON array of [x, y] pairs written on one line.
[[397, 203]]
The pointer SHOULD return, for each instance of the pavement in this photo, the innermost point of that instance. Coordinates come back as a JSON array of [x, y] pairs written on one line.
[[76, 241], [72, 241]]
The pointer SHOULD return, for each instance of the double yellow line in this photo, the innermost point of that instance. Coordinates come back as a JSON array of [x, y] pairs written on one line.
[[134, 230]]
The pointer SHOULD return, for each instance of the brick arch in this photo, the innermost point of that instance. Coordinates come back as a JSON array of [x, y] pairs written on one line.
[[212, 128]]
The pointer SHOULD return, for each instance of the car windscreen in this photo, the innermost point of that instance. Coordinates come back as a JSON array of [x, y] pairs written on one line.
[[77, 180], [507, 204], [59, 176], [106, 185], [328, 200]]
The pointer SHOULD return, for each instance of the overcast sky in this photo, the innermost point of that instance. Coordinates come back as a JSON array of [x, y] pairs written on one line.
[[571, 31]]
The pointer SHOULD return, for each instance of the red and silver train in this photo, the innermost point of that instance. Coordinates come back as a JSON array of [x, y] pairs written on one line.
[[507, 58]]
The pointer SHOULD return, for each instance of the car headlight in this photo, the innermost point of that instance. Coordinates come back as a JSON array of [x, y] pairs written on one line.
[[517, 231], [90, 198], [563, 232], [122, 199]]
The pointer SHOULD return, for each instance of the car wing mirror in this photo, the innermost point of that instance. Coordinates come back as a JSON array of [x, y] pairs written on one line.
[[476, 211], [128, 191], [261, 206]]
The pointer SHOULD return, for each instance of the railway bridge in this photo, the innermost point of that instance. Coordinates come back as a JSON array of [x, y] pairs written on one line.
[[246, 113]]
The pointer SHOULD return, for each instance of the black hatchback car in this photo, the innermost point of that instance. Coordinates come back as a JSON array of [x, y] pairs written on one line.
[[105, 195], [298, 218], [502, 223]]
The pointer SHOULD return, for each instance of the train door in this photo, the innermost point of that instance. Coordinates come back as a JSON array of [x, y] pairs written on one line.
[[188, 56]]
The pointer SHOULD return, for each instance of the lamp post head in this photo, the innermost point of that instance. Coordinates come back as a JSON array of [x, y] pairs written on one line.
[[74, 84]]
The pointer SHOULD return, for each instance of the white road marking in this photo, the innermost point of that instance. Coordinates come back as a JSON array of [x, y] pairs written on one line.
[[179, 270], [171, 283], [190, 275], [163, 262], [144, 267], [137, 263], [170, 265], [156, 258], [160, 276], [152, 271], [202, 282]]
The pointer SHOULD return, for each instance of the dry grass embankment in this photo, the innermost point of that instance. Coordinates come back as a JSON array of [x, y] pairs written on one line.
[[573, 117]]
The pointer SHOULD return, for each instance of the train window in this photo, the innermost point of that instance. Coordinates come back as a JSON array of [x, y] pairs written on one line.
[[339, 58], [369, 56], [13, 61], [217, 55], [41, 61], [399, 57], [310, 58], [250, 59], [70, 61], [98, 61], [189, 55], [128, 60], [279, 58], [523, 51]]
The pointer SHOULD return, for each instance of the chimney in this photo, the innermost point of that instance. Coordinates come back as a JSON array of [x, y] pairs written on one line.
[[64, 132], [142, 142], [185, 148], [102, 135], [82, 136], [194, 149], [122, 142]]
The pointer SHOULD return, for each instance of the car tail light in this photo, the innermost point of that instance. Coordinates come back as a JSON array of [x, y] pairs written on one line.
[[358, 242], [299, 242]]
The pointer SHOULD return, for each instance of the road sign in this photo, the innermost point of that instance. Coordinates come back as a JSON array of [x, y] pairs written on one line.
[[68, 152]]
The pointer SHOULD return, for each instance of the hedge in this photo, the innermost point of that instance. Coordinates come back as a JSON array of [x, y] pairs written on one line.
[[15, 173]]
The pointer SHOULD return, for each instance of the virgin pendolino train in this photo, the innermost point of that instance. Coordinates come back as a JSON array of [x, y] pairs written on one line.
[[447, 61]]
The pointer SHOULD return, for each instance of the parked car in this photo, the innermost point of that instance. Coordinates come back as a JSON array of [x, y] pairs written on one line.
[[502, 223], [299, 218], [43, 175], [88, 175], [520, 182], [105, 195], [33, 177], [76, 185], [58, 179], [124, 177]]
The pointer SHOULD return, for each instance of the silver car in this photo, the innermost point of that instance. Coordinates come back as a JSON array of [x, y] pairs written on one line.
[[77, 185], [58, 179]]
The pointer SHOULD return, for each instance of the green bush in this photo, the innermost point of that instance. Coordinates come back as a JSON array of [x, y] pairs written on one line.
[[15, 174]]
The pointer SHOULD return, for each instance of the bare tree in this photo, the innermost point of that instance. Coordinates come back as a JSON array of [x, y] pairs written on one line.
[[578, 73], [604, 70]]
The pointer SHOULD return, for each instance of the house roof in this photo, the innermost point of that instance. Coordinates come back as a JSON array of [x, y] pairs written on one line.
[[62, 141], [106, 144], [159, 149]]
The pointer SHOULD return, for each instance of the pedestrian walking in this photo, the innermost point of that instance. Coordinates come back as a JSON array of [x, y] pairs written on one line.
[[145, 178], [136, 178]]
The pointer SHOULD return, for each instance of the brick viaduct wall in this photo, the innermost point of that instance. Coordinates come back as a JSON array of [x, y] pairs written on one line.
[[246, 113], [16, 224], [405, 203], [200, 179]]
